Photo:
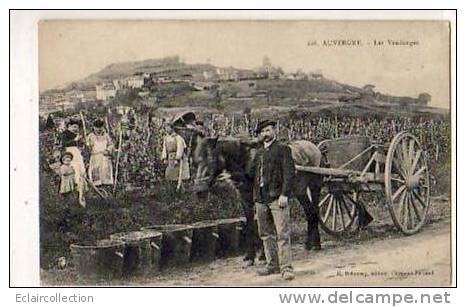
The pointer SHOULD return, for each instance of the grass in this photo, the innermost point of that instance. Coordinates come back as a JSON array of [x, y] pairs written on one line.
[[64, 222]]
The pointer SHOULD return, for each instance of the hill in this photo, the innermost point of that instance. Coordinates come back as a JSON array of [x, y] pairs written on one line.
[[168, 66], [233, 90], [173, 67]]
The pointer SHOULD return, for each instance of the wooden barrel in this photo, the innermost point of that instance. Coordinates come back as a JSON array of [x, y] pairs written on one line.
[[205, 240], [101, 260], [142, 253], [230, 231], [176, 244]]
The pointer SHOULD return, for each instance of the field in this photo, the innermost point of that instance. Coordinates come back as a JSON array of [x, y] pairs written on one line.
[[143, 198]]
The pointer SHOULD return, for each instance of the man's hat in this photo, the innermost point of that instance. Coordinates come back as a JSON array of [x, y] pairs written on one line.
[[99, 123], [73, 121], [264, 124], [181, 119]]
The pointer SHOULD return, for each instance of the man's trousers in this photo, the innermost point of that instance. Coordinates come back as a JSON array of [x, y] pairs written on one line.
[[274, 225]]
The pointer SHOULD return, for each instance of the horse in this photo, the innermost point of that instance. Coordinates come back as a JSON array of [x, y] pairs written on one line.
[[229, 160]]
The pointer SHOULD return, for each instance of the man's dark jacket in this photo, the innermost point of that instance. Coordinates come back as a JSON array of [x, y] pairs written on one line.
[[278, 172]]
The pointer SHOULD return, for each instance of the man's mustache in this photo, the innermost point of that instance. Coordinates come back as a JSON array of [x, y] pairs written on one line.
[[267, 138]]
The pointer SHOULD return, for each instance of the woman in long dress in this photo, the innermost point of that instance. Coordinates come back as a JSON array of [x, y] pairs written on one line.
[[173, 153], [70, 139], [100, 163]]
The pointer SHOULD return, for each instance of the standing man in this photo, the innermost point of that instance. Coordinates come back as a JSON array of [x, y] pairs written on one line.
[[274, 172]]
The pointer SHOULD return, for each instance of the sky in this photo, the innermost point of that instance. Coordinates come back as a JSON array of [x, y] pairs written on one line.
[[72, 50]]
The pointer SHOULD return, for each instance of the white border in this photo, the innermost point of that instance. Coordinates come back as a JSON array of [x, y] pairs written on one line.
[[24, 102]]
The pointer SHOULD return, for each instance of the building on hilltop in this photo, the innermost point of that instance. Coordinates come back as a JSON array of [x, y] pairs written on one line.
[[208, 75], [316, 75], [53, 103], [118, 84], [105, 91], [135, 81]]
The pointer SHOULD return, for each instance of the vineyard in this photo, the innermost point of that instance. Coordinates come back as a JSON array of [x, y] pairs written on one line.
[[142, 197]]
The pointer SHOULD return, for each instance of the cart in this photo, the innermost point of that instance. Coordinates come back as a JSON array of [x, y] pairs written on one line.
[[354, 165]]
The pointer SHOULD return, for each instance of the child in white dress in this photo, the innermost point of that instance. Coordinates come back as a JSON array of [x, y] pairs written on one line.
[[67, 174]]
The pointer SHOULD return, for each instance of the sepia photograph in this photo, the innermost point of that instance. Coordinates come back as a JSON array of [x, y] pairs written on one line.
[[244, 153]]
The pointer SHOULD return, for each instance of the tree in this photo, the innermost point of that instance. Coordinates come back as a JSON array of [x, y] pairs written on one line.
[[128, 98], [368, 90], [294, 114], [266, 63], [368, 87], [280, 70], [424, 99]]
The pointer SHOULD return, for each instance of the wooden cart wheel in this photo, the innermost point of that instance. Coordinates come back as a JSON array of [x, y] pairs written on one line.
[[407, 186], [337, 209], [337, 212]]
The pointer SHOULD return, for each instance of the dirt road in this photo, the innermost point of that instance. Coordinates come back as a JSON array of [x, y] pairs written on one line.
[[379, 256], [394, 260]]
